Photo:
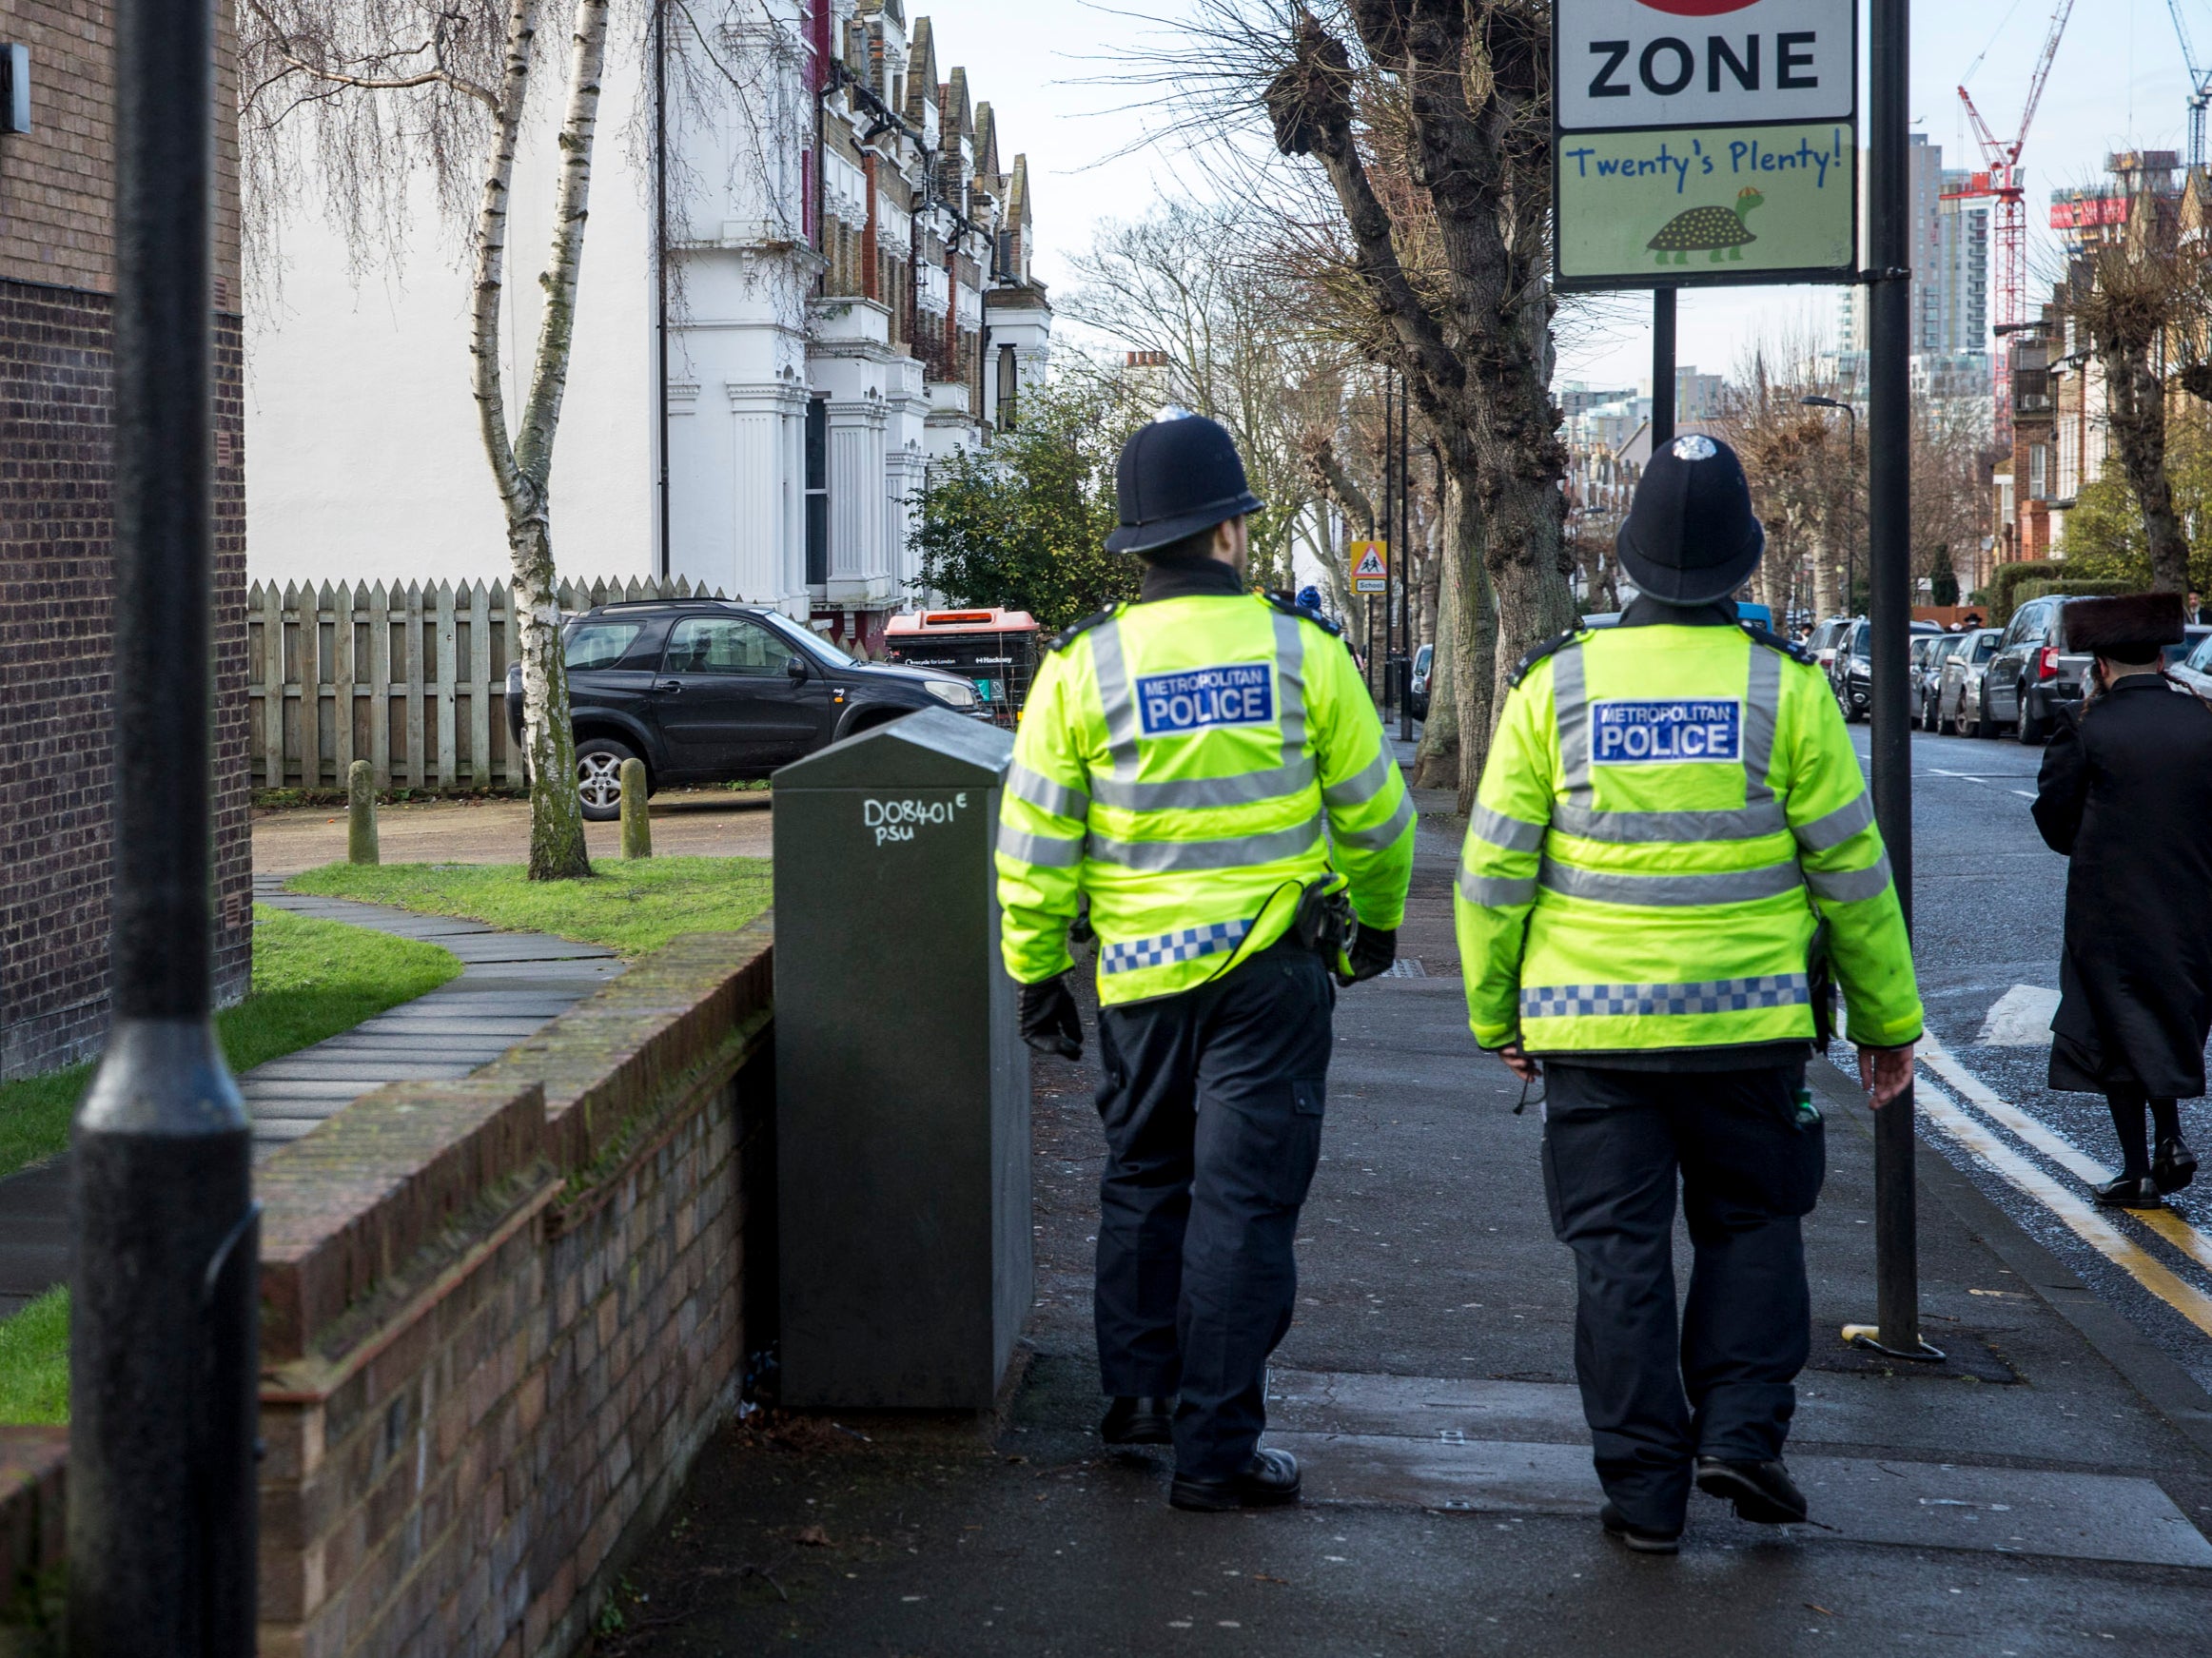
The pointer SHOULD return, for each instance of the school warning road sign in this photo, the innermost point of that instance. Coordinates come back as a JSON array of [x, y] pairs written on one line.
[[1370, 567], [1703, 142]]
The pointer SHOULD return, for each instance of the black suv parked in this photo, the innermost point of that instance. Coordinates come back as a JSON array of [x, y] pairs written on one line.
[[704, 691]]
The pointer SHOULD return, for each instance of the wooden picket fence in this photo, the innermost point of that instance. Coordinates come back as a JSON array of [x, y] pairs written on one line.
[[412, 679]]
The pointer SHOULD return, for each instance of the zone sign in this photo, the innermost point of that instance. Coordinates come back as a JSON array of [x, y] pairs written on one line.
[[1625, 64]]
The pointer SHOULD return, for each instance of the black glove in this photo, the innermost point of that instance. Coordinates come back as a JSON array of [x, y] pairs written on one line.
[[1049, 1022], [1373, 950]]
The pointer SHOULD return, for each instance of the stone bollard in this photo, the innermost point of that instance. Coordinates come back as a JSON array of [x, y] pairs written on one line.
[[637, 821], [361, 813]]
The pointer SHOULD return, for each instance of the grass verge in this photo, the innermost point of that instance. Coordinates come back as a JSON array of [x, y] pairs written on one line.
[[628, 906], [311, 979], [35, 1362]]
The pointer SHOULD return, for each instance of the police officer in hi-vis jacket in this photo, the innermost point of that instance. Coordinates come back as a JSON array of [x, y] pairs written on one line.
[[1672, 834], [1205, 766]]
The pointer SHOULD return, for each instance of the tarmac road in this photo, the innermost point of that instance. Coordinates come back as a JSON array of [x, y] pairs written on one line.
[[1988, 907]]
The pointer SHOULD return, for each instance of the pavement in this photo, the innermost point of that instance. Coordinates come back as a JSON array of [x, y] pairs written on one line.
[[510, 984], [715, 823], [2046, 1490]]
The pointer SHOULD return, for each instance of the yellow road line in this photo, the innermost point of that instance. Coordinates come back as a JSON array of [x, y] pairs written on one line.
[[2092, 1228], [2070, 1156]]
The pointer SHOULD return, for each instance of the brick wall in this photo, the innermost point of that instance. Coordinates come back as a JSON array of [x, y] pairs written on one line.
[[57, 581], [56, 683], [502, 1315]]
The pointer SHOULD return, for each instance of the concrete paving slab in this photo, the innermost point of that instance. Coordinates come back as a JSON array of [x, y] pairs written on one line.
[[1918, 1504]]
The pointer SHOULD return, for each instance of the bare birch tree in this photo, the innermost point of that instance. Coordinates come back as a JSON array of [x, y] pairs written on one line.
[[390, 88]]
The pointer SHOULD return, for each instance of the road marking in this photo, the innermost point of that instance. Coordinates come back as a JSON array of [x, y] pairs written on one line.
[[2024, 794], [2020, 1017], [2092, 1228], [2070, 1156]]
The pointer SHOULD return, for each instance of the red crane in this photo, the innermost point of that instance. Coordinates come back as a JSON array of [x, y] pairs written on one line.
[[2001, 182]]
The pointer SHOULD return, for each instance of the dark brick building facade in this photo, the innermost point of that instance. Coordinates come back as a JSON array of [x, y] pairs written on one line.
[[57, 776]]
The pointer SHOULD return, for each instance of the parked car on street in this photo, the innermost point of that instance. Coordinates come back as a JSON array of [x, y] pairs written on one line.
[[2195, 669], [1852, 674], [1418, 689], [706, 690], [1958, 691], [2032, 675], [1824, 640], [1930, 653]]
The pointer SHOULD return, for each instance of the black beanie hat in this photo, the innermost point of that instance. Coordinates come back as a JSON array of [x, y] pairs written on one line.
[[1177, 478], [1690, 536]]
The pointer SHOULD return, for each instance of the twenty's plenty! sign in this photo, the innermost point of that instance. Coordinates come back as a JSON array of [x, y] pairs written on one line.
[[1700, 142]]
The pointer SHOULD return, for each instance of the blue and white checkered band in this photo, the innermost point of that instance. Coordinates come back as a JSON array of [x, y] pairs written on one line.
[[1656, 732], [1186, 945], [1242, 694], [1644, 1000]]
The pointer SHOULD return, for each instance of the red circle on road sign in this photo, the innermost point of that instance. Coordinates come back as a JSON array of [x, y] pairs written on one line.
[[1697, 7]]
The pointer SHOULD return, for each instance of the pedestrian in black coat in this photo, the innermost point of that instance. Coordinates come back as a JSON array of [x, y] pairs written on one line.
[[2127, 793]]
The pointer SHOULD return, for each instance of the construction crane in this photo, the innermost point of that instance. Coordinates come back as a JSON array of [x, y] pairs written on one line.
[[2199, 85], [2001, 182]]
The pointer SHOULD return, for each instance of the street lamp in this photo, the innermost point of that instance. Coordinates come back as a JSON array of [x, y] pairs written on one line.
[[1851, 533]]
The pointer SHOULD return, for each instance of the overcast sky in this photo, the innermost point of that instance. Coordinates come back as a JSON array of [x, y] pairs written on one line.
[[2119, 82]]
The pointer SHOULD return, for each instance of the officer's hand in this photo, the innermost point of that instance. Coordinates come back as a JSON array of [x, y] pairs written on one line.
[[1520, 1064], [1049, 1022], [1372, 952], [1885, 1072]]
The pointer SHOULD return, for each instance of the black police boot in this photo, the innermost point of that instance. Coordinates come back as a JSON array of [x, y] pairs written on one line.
[[2131, 1192], [1137, 1422], [1269, 1478], [1635, 1537], [2174, 1167], [1762, 1492]]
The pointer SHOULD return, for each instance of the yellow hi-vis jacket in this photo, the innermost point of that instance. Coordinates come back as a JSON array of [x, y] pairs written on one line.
[[1178, 762], [1663, 810]]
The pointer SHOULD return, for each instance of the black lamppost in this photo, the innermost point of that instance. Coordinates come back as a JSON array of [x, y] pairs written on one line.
[[1851, 526], [164, 1347]]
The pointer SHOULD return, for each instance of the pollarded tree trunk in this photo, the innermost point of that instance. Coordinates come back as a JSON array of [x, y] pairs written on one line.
[[2136, 408], [523, 467]]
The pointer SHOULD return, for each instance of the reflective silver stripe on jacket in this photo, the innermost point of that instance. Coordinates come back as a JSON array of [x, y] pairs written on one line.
[[1237, 852], [1721, 886], [1850, 885], [1570, 708], [1040, 790], [1239, 789], [1513, 834], [1374, 840], [1838, 826], [1711, 996], [1116, 701], [1362, 785], [1635, 828], [1762, 708], [1290, 683], [1496, 891], [1049, 851]]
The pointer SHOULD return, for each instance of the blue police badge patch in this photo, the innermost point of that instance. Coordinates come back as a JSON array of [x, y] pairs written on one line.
[[1199, 698], [1657, 732]]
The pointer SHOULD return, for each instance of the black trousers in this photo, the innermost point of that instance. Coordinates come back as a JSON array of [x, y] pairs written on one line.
[[1614, 1142], [1212, 1106]]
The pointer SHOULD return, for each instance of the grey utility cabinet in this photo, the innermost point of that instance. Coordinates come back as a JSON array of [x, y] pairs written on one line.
[[902, 1080]]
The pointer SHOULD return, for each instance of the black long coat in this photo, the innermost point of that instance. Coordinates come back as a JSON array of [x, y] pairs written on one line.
[[2127, 793]]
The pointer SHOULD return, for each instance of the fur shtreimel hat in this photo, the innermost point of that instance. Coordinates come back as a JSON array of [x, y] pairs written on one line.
[[2129, 627]]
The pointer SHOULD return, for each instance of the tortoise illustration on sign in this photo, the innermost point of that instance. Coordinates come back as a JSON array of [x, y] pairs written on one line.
[[1721, 229]]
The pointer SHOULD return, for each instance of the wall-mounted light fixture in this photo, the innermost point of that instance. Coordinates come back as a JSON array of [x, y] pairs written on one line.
[[14, 89]]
